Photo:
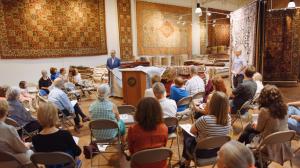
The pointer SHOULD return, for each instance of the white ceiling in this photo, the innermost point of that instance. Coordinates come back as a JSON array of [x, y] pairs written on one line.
[[229, 5]]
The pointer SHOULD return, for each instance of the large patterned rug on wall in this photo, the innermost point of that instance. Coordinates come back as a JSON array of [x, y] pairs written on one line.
[[282, 51], [243, 24], [125, 29], [43, 28], [160, 33]]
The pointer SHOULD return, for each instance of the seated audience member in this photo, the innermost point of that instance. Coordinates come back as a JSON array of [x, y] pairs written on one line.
[[52, 139], [168, 106], [234, 153], [149, 92], [18, 112], [209, 86], [26, 96], [44, 83], [195, 84], [258, 80], [218, 85], [10, 141], [178, 92], [62, 102], [150, 130], [294, 116], [3, 90], [63, 75], [53, 73], [216, 123], [103, 108], [244, 91], [272, 118], [75, 76]]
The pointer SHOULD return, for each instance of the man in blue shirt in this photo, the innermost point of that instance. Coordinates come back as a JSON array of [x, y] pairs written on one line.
[[60, 99], [113, 61]]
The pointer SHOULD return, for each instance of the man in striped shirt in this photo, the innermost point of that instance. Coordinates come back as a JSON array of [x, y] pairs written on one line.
[[195, 84]]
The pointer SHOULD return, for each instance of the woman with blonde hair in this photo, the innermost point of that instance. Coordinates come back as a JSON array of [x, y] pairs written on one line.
[[234, 153], [216, 123], [52, 139]]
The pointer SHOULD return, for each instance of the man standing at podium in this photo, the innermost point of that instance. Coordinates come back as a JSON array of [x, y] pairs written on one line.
[[113, 61]]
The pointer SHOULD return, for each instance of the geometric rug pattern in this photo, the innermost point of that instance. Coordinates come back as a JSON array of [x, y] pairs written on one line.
[[43, 28], [282, 51], [125, 30]]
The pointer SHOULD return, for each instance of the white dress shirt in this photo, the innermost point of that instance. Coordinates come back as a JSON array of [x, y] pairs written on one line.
[[149, 93], [238, 63], [169, 107], [195, 85]]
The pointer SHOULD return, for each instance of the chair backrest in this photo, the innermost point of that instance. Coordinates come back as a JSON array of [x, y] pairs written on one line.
[[246, 105], [126, 109], [198, 95], [184, 101], [103, 124], [53, 158], [12, 122], [151, 156], [278, 138], [7, 157], [171, 121], [41, 99], [212, 142]]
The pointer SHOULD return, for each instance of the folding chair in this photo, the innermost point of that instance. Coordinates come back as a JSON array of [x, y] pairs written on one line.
[[59, 159], [198, 95], [66, 121], [103, 124], [9, 160], [12, 122], [297, 138], [206, 144], [128, 110], [238, 115], [196, 98], [151, 156], [173, 122], [273, 139], [186, 101]]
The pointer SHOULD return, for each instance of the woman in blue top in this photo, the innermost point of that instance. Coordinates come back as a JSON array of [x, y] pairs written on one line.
[[178, 92]]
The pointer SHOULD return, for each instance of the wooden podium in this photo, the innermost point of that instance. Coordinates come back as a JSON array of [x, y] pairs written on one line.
[[134, 85]]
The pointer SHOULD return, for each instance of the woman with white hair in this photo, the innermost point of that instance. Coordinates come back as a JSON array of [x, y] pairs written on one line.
[[234, 153], [103, 108], [18, 112], [44, 83]]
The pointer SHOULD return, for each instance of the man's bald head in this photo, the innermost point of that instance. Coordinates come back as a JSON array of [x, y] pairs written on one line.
[[59, 83]]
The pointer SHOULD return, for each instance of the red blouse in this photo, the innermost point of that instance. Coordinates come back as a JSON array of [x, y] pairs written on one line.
[[139, 139]]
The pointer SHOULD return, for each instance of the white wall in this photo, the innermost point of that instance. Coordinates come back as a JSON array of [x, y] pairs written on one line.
[[12, 71]]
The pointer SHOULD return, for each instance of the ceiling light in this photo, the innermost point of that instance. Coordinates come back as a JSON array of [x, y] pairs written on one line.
[[208, 14], [291, 4], [198, 9], [228, 16]]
